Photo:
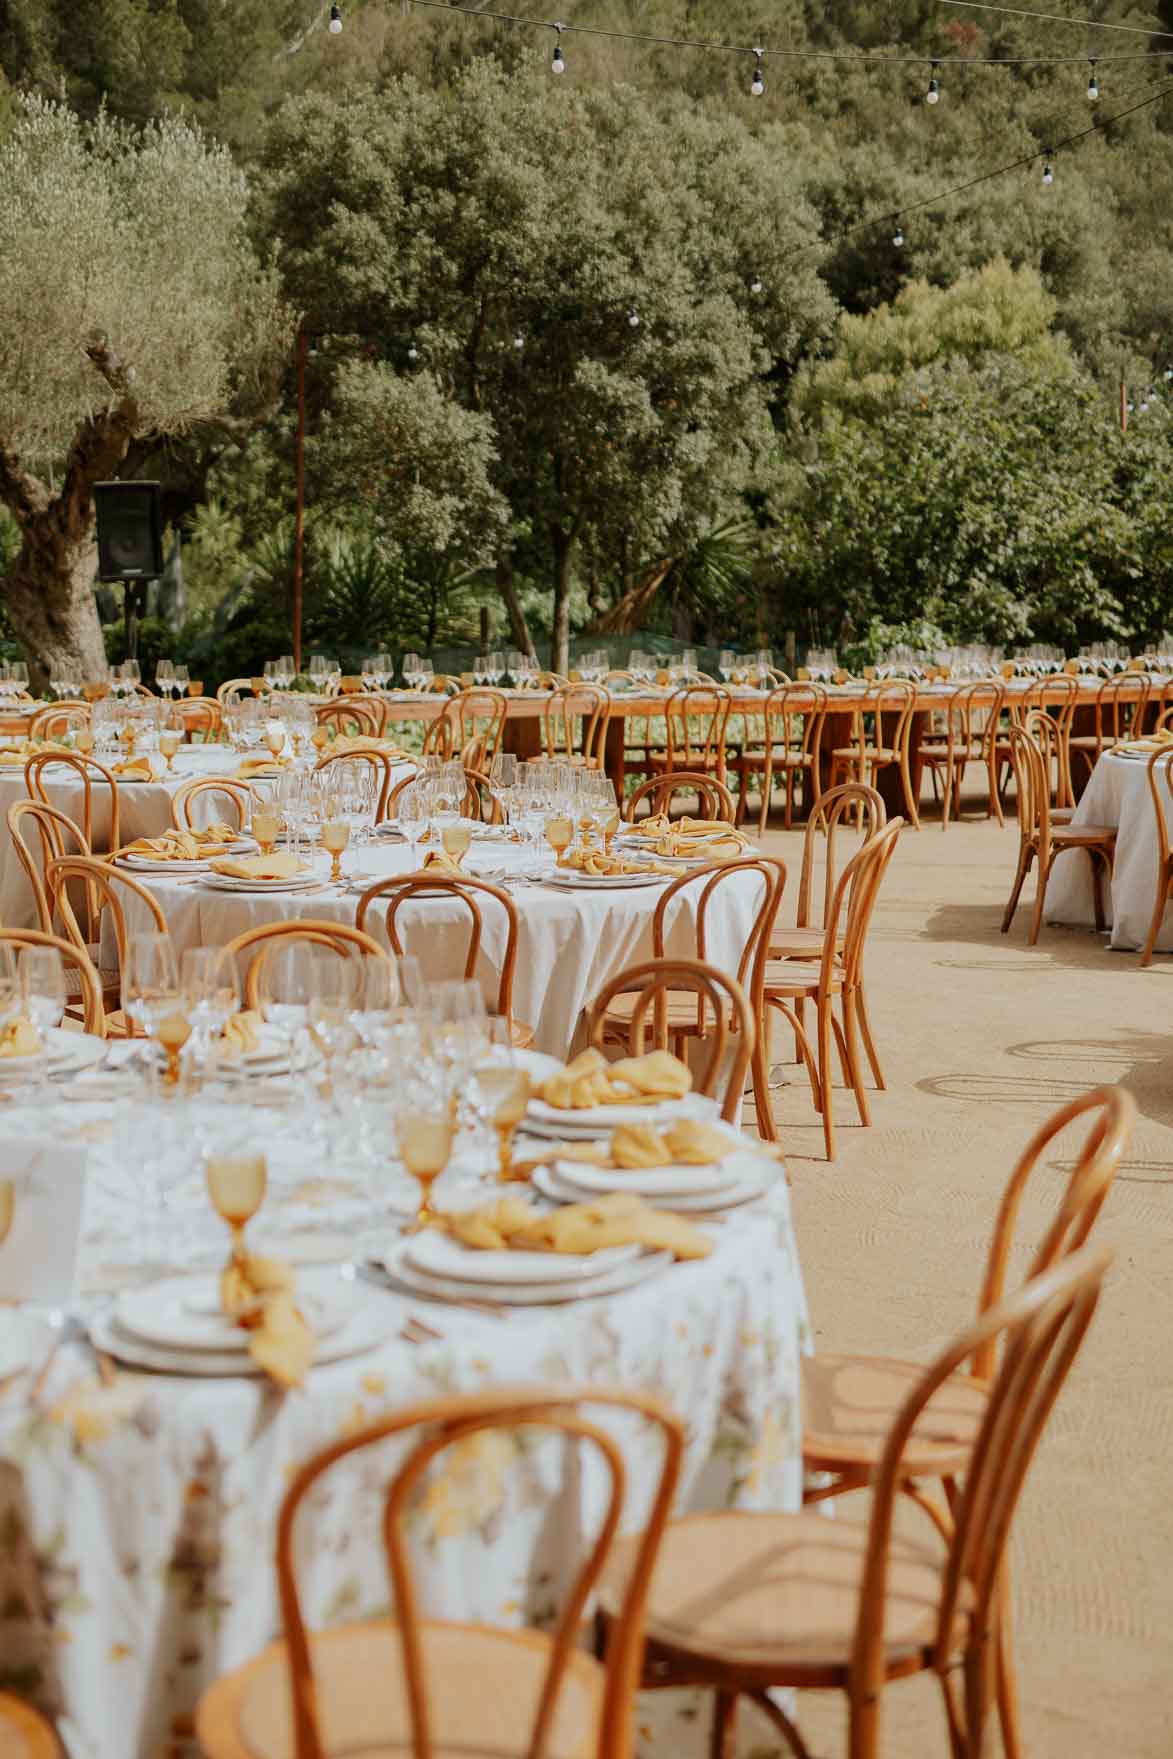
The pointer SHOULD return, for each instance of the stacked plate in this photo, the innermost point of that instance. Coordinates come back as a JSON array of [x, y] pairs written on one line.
[[226, 882], [64, 1053], [568, 880], [436, 1266], [741, 1178], [175, 1325], [152, 864], [557, 1124]]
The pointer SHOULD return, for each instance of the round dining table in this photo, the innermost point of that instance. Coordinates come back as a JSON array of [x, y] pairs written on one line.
[[1117, 794], [137, 1514], [571, 940]]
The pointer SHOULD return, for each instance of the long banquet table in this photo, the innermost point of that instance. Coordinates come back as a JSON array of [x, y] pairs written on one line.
[[138, 1519], [1117, 794]]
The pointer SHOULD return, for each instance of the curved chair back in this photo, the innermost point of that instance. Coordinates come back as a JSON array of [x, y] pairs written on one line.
[[470, 892], [476, 718], [335, 937], [234, 802], [1040, 1330], [716, 802], [439, 738], [890, 703], [712, 881], [1120, 708], [105, 886], [55, 832], [585, 707], [90, 773], [90, 986], [199, 714], [59, 718], [347, 716], [378, 761], [794, 715], [857, 799], [697, 718], [722, 997], [1044, 730], [1034, 794], [373, 705], [24, 1733], [233, 689]]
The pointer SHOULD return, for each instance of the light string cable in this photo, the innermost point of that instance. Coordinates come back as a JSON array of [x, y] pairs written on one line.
[[1091, 24], [750, 50], [1046, 154]]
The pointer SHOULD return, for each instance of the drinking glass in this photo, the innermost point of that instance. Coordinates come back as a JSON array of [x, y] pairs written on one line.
[[7, 1207], [424, 1130], [169, 743], [335, 837], [559, 829], [504, 1087], [456, 837], [275, 738], [266, 816], [236, 1186], [411, 815], [210, 983], [165, 677], [43, 990], [376, 1009], [288, 985]]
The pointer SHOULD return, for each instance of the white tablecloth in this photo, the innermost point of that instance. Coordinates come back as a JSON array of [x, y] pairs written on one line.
[[1117, 794], [570, 942], [137, 1522]]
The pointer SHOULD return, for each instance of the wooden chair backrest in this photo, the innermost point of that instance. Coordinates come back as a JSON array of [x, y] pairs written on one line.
[[715, 799], [972, 716], [1163, 719], [58, 718], [852, 903], [94, 1014], [1159, 786], [478, 715], [439, 738], [1032, 789], [88, 771], [336, 937], [804, 703], [374, 760], [711, 881], [54, 828], [1041, 1330], [725, 1001], [391, 809], [479, 800], [373, 705], [347, 716], [887, 696], [102, 883], [469, 891], [446, 1423], [589, 704], [235, 796], [1111, 1114], [1120, 706], [697, 718], [198, 714], [1042, 695], [832, 807], [234, 688]]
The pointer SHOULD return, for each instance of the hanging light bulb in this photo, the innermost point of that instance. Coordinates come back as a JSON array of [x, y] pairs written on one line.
[[413, 352], [1048, 173], [335, 20], [633, 319], [519, 343], [1093, 84], [898, 235], [757, 285], [759, 75], [933, 95], [558, 65]]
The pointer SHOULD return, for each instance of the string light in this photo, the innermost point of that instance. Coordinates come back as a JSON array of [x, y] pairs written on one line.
[[1048, 173], [519, 343], [1093, 84], [633, 319], [933, 95], [898, 235], [413, 352], [759, 75], [558, 65], [756, 285], [335, 20]]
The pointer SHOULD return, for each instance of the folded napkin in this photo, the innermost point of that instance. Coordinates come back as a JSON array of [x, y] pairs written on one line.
[[183, 845], [240, 1034], [663, 826], [19, 1038], [689, 1143], [133, 769], [597, 865], [591, 1081], [281, 865], [21, 753], [1155, 742], [691, 844], [619, 1219], [253, 768], [258, 1294], [442, 862]]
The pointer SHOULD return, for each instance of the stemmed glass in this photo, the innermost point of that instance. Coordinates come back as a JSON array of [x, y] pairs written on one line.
[[336, 986], [505, 1090], [43, 991], [335, 836], [266, 816], [456, 836], [152, 996], [411, 815], [165, 677], [236, 1185], [210, 984], [559, 828], [503, 780], [182, 679], [424, 1130]]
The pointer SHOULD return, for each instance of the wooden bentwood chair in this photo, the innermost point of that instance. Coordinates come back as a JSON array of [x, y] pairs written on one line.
[[1040, 842], [747, 1603], [348, 718], [90, 773], [696, 720], [1118, 714], [333, 937], [1160, 760], [972, 716], [87, 986], [430, 1688], [466, 890], [824, 827], [886, 746], [105, 888], [724, 1001], [793, 718], [586, 706], [713, 798], [224, 798]]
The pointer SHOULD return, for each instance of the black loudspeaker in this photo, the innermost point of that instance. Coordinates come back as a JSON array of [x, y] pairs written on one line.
[[130, 531]]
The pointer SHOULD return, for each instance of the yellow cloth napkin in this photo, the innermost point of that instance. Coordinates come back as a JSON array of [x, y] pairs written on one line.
[[253, 768], [259, 1294], [19, 1038], [21, 753], [133, 769], [591, 1081], [241, 1034], [619, 1219], [690, 845], [442, 861], [183, 845], [689, 1143], [281, 865], [597, 865]]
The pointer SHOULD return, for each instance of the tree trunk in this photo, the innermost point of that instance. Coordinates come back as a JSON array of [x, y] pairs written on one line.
[[628, 615], [50, 597], [563, 543], [519, 628]]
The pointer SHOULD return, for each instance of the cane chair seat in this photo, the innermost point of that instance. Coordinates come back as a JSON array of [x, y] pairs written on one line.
[[1073, 836], [680, 1011], [793, 977], [801, 943], [777, 1596], [876, 754], [848, 1403], [363, 1704]]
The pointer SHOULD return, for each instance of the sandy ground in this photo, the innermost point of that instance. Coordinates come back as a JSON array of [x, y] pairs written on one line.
[[982, 1038]]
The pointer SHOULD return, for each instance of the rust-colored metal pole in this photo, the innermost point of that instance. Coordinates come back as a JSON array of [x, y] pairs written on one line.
[[299, 520]]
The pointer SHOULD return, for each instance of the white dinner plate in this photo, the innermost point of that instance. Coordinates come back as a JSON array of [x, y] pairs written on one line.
[[536, 1064], [597, 1120], [748, 1190], [372, 1322], [68, 1052], [183, 1312], [674, 1181], [435, 1254], [223, 882], [623, 1276], [568, 881]]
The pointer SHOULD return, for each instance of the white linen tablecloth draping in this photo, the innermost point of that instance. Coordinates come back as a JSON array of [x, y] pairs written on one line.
[[137, 1522], [569, 942], [1117, 794]]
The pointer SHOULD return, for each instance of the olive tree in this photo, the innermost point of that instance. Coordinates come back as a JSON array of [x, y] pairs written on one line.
[[132, 305]]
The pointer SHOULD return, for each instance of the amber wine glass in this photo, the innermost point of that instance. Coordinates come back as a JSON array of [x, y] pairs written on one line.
[[610, 826], [335, 837], [275, 740], [559, 833], [456, 839], [169, 745], [320, 738], [84, 741], [7, 1207], [237, 1185], [506, 1090], [173, 1032], [425, 1145]]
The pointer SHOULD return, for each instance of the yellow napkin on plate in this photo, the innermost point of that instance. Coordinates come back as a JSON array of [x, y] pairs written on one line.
[[597, 865], [591, 1081], [253, 768], [133, 769], [259, 1294], [21, 753], [281, 865], [19, 1038], [443, 862], [241, 1034], [690, 1143], [691, 844], [619, 1219], [184, 845]]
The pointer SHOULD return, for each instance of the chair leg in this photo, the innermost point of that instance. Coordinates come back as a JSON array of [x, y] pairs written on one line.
[[909, 797], [723, 1737], [1025, 858], [760, 1065], [849, 1046], [788, 821], [995, 801], [865, 1028], [1006, 1683], [1044, 874], [779, 1720], [825, 1019], [946, 792], [1098, 889], [1162, 900]]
